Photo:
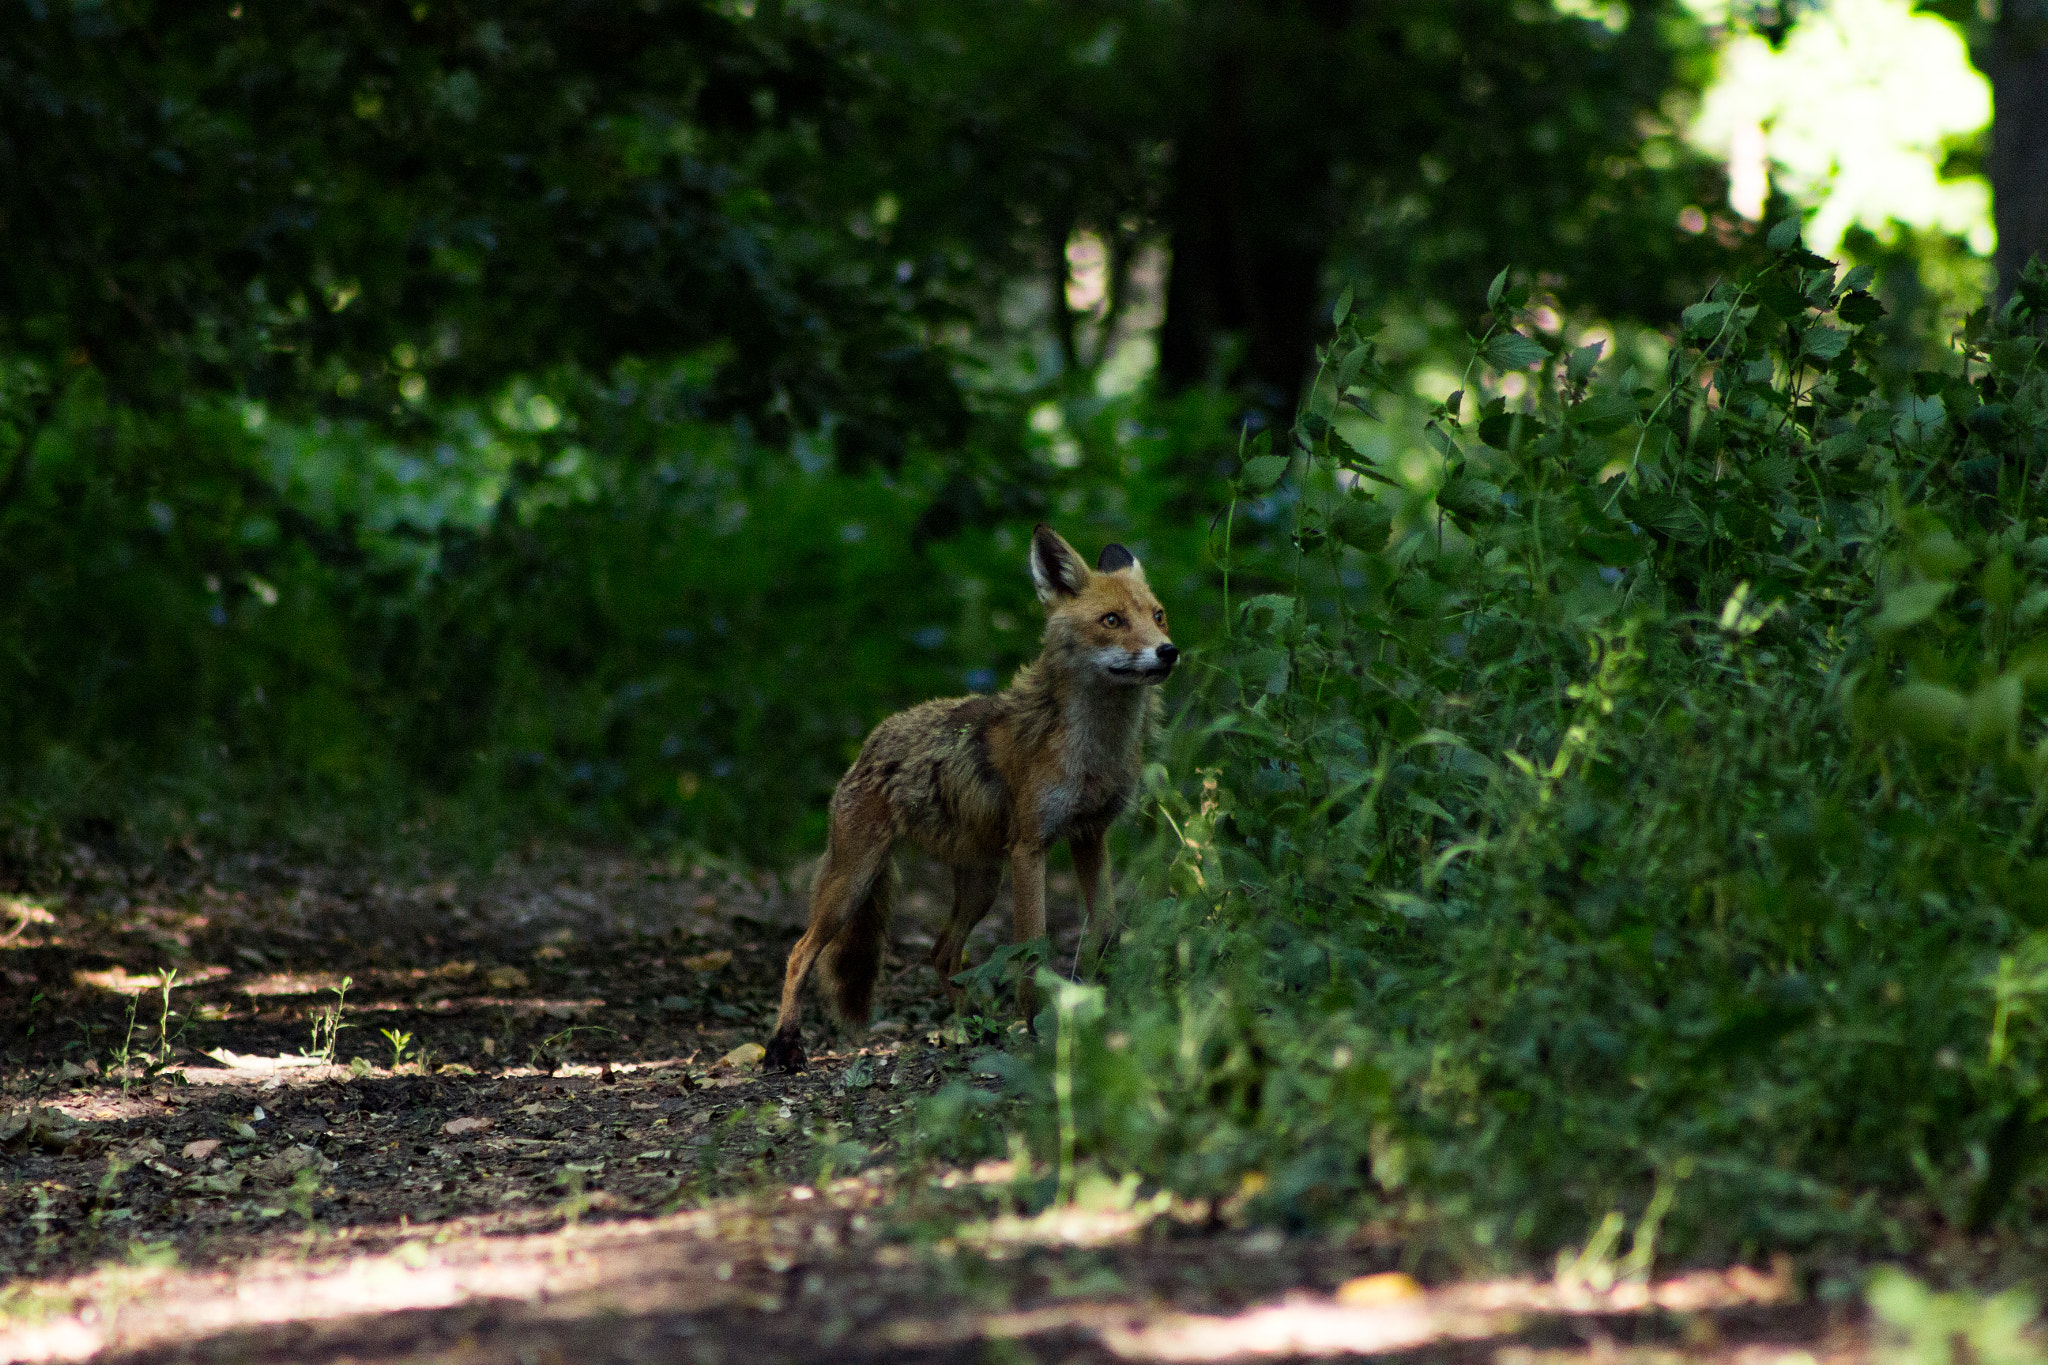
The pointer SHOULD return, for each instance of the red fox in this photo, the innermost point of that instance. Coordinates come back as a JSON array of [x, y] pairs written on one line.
[[978, 782]]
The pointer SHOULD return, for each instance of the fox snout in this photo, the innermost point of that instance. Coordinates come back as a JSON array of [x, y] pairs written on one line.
[[1141, 665]]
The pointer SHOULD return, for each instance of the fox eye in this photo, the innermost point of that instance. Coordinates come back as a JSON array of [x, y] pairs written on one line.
[[1158, 618], [1112, 620]]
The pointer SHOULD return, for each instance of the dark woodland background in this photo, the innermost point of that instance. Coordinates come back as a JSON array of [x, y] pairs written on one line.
[[1612, 786]]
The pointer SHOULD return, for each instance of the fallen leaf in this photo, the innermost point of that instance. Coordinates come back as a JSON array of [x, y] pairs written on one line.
[[741, 1057], [506, 979], [1365, 1291], [465, 1125], [202, 1149], [229, 1182], [709, 962]]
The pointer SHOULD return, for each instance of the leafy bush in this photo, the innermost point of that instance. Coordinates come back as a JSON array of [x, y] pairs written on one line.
[[581, 606], [1633, 807]]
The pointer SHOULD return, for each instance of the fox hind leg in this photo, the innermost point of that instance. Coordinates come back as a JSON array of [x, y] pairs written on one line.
[[974, 892], [854, 859], [848, 965]]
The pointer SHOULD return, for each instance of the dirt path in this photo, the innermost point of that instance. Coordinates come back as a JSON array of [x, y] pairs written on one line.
[[538, 1135]]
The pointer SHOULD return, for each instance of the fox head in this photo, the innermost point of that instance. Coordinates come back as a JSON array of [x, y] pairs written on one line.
[[1105, 619]]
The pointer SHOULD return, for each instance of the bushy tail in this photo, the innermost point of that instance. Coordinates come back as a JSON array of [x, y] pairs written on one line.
[[851, 962]]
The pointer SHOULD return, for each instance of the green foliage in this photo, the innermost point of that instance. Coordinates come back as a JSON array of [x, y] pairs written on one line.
[[328, 1022], [1634, 800], [573, 418], [573, 606], [1919, 1327], [345, 208]]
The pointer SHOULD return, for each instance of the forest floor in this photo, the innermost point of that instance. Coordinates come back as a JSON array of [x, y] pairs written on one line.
[[539, 1136]]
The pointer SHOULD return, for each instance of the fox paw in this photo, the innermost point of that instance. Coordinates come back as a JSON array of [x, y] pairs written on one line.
[[785, 1053]]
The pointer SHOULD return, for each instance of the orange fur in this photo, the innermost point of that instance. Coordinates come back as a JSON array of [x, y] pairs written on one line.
[[982, 783]]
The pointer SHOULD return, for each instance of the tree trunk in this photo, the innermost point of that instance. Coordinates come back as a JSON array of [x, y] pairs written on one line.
[[2018, 68], [1248, 212]]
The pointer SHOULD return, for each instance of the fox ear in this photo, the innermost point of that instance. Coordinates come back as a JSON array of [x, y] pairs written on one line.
[[1114, 557], [1056, 571]]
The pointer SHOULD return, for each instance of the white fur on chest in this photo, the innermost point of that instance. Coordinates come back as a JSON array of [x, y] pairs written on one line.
[[1097, 745]]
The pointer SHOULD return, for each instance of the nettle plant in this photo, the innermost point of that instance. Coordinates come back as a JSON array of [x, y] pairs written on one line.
[[1627, 817]]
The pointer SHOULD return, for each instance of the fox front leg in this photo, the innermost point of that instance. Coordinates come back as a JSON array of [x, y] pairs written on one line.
[[1027, 919], [1091, 870]]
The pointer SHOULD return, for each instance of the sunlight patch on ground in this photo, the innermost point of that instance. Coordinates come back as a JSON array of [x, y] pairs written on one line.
[[1317, 1326], [23, 913], [120, 981], [188, 1306], [291, 983], [1851, 115], [682, 1263]]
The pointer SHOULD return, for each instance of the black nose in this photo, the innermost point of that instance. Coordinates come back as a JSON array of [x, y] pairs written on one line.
[[1166, 653]]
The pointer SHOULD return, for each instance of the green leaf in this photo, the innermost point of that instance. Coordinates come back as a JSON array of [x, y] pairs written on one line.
[[1918, 420], [1939, 555], [1343, 308], [1835, 447], [1493, 291], [1910, 605], [1278, 604], [1363, 521], [1604, 412], [1995, 711], [1774, 472], [1703, 319], [1580, 366], [1785, 235], [1824, 341], [1859, 309], [1507, 430], [1780, 297], [1348, 367], [1513, 351], [1468, 497], [1859, 278], [1928, 711], [1263, 471], [1610, 548]]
